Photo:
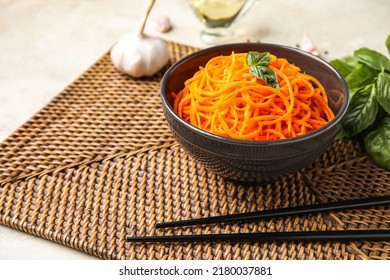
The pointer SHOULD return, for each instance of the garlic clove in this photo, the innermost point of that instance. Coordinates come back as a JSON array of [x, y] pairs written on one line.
[[308, 45], [163, 24], [139, 55]]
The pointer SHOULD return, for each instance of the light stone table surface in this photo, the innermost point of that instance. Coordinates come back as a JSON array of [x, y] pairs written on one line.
[[47, 44]]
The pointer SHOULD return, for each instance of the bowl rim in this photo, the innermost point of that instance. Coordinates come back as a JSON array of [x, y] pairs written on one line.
[[234, 141]]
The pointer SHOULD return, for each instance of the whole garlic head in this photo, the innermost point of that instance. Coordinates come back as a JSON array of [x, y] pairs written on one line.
[[139, 55]]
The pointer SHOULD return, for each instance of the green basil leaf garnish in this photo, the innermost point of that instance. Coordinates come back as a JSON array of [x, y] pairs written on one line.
[[265, 74], [258, 59], [258, 63]]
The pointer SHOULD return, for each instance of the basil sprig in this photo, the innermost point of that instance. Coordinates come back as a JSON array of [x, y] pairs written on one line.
[[258, 63], [367, 73]]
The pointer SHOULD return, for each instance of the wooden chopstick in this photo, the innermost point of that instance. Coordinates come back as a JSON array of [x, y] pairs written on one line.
[[289, 211], [297, 236]]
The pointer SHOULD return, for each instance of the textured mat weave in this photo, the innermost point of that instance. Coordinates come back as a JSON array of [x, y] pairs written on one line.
[[98, 163]]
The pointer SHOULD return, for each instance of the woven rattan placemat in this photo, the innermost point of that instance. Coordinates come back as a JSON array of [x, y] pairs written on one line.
[[98, 163]]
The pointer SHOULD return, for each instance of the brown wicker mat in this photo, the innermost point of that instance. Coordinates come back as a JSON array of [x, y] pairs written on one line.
[[98, 164]]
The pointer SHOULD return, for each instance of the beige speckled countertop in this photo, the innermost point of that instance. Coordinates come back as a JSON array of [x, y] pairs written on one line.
[[46, 44]]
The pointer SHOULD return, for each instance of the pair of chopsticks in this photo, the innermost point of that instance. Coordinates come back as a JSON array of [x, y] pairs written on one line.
[[343, 235]]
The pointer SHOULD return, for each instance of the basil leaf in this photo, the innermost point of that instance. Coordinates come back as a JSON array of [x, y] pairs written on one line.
[[258, 59], [388, 43], [345, 65], [377, 144], [258, 63], [362, 75], [265, 74], [373, 59], [362, 111], [383, 94]]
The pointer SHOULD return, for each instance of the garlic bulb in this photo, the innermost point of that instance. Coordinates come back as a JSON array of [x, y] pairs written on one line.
[[139, 55]]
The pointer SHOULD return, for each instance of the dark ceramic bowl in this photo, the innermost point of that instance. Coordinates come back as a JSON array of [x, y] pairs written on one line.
[[248, 160]]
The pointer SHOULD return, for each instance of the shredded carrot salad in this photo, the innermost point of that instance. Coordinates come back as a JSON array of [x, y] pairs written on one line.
[[224, 98]]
